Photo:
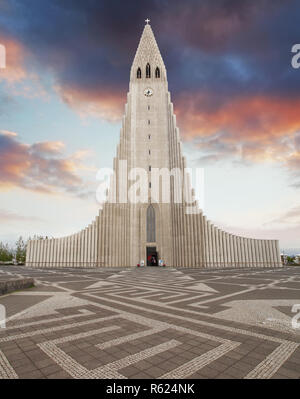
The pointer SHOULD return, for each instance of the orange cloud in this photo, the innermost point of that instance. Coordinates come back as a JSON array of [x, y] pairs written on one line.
[[8, 133], [51, 147], [102, 103], [39, 167], [15, 53], [251, 118]]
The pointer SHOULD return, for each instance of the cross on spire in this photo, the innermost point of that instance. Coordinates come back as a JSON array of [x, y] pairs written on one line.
[[147, 21]]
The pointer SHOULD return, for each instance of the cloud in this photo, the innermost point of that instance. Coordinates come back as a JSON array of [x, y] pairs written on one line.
[[292, 216], [15, 53], [245, 129], [105, 104], [48, 147], [254, 117], [39, 167], [228, 65], [8, 133], [8, 216]]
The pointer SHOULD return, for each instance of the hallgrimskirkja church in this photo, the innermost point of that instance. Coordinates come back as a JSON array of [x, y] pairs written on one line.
[[128, 229]]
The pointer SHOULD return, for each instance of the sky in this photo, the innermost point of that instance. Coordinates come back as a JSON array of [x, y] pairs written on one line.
[[235, 93]]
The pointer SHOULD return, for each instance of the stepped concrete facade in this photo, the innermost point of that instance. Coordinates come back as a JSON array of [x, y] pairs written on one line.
[[128, 229]]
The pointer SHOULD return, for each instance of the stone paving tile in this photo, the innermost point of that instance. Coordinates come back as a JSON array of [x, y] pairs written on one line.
[[150, 323]]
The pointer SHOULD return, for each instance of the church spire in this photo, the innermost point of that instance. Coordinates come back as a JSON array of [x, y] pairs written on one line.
[[148, 57]]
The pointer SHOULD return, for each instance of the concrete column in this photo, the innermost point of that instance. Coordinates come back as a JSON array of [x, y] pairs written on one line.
[[97, 239], [242, 251], [196, 240], [33, 252], [239, 253], [106, 232], [33, 257], [50, 252], [41, 256], [45, 260], [203, 242], [70, 262], [39, 253], [256, 249], [67, 245], [246, 256], [277, 249], [114, 248], [111, 237], [181, 235], [74, 250], [260, 253], [249, 251], [60, 252], [69, 251], [65, 250], [53, 252], [91, 244], [103, 237], [56, 252], [227, 257], [52, 255], [263, 249], [206, 238], [81, 245], [267, 253], [28, 253], [88, 249], [272, 261], [211, 244], [76, 255], [254, 254], [232, 263], [271, 252], [92, 259], [221, 248]]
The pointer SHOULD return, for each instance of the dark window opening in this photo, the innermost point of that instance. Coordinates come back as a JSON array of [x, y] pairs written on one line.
[[148, 122], [139, 73], [149, 136], [148, 107], [148, 71], [157, 73], [149, 168]]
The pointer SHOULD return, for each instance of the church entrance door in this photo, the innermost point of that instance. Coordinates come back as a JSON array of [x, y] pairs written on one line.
[[152, 258]]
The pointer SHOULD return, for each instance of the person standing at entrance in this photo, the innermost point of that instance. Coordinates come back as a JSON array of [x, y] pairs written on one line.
[[153, 261]]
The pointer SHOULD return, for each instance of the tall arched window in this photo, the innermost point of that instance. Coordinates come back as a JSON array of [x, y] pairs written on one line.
[[139, 73], [157, 72], [148, 71], [150, 224]]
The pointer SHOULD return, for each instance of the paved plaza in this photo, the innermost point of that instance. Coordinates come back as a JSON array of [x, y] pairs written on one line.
[[151, 323]]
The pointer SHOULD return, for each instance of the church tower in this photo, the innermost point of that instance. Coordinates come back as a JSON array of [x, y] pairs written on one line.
[[142, 219]]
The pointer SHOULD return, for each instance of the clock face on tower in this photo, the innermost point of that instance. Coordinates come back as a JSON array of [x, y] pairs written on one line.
[[148, 92]]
